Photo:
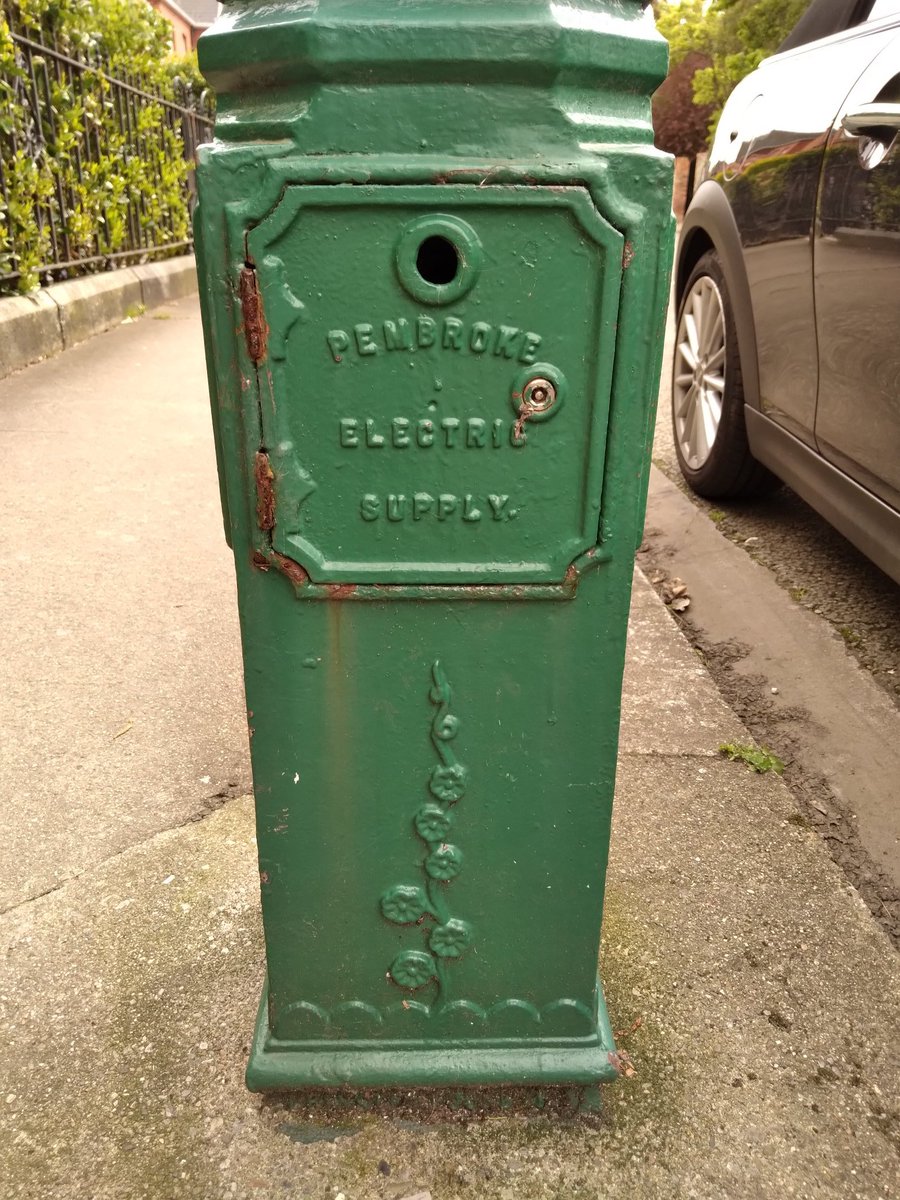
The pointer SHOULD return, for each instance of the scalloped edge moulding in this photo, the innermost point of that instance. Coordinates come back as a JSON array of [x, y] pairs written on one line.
[[551, 1059]]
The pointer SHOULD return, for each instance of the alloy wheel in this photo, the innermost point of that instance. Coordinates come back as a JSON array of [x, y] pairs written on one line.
[[698, 387]]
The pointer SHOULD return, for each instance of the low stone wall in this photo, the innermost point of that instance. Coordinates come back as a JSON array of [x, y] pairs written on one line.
[[64, 314]]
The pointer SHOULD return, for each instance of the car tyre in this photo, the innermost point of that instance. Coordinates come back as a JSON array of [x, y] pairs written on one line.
[[708, 393]]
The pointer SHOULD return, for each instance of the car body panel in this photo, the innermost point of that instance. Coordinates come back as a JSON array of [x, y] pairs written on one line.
[[767, 155], [857, 293], [809, 241], [865, 520]]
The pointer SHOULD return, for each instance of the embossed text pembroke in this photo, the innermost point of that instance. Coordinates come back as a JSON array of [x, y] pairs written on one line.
[[368, 340]]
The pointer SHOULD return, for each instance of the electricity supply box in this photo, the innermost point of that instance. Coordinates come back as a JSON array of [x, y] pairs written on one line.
[[434, 245]]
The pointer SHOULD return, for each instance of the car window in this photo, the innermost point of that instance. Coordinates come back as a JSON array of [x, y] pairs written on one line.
[[825, 17]]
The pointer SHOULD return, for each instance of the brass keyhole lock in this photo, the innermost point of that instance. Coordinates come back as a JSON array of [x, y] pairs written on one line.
[[538, 392], [538, 395]]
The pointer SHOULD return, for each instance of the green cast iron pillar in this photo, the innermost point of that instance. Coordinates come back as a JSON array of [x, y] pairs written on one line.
[[435, 241]]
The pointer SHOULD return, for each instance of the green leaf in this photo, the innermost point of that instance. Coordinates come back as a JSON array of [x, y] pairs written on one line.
[[759, 759]]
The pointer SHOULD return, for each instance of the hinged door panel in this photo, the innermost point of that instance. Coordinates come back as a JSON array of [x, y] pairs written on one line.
[[431, 411]]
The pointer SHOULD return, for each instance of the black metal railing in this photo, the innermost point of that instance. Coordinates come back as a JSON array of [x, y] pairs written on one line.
[[95, 163]]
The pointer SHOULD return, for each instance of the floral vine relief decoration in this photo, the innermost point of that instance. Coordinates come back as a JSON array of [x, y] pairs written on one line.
[[414, 904]]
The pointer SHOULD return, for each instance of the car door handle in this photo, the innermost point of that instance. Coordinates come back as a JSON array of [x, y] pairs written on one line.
[[872, 119]]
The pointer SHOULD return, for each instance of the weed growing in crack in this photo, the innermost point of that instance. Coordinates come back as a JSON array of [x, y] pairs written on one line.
[[759, 759]]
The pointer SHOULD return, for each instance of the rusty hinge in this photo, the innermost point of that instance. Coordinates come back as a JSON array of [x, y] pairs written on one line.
[[265, 492], [256, 331]]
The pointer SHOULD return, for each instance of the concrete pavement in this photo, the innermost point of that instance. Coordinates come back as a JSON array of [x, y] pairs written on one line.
[[754, 992], [121, 705]]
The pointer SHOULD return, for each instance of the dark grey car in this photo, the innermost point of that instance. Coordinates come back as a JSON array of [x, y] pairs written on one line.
[[787, 359]]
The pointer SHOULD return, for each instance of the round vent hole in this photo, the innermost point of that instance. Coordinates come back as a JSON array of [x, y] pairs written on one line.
[[437, 261]]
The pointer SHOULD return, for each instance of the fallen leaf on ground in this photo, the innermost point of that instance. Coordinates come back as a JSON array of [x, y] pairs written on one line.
[[622, 1063]]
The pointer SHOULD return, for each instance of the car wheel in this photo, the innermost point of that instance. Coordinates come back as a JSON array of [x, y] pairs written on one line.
[[708, 392]]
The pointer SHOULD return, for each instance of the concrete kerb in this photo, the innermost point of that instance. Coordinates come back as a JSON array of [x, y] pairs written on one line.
[[94, 303], [29, 331], [162, 282], [60, 316]]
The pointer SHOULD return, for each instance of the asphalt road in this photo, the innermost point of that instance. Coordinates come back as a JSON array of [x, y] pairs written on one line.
[[802, 635]]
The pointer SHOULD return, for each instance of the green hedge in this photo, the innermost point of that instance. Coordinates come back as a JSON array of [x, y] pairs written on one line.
[[100, 165]]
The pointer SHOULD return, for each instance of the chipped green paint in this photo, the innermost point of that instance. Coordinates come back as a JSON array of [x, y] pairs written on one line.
[[433, 385]]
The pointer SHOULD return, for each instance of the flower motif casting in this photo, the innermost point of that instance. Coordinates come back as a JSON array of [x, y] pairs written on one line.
[[403, 904], [408, 904], [448, 783], [449, 941], [433, 823], [412, 969], [445, 862]]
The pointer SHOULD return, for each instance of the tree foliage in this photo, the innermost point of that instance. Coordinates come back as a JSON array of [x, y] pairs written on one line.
[[685, 27], [734, 36], [680, 126]]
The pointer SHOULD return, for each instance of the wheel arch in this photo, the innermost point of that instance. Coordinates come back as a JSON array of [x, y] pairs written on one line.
[[709, 225]]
